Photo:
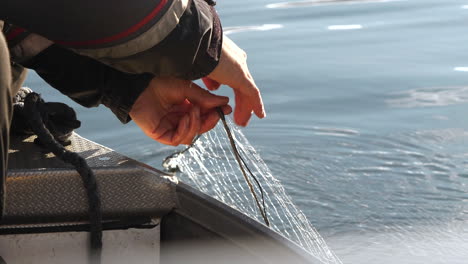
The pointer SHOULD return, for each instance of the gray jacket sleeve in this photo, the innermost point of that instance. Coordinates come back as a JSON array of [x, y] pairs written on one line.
[[179, 38], [183, 39]]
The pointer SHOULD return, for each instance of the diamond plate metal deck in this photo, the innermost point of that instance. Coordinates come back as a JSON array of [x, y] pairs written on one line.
[[25, 154], [42, 189]]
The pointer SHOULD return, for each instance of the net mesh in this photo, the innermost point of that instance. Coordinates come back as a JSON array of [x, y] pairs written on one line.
[[210, 166]]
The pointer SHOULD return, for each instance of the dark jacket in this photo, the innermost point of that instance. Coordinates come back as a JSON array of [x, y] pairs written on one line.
[[72, 44]]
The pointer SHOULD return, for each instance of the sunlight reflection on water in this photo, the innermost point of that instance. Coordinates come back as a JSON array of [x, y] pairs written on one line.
[[264, 27], [436, 96], [324, 2], [462, 69], [344, 27]]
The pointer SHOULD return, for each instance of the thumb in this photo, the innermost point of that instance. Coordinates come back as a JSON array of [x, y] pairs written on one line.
[[210, 83], [199, 96]]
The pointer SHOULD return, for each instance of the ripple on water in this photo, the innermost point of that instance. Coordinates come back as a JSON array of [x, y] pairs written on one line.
[[402, 171], [434, 96], [239, 29], [370, 170], [454, 190], [306, 3], [337, 132]]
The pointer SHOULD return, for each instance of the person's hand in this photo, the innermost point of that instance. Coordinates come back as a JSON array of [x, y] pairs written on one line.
[[173, 111], [232, 70]]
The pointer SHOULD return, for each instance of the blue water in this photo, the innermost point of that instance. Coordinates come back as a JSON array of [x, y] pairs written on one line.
[[367, 121]]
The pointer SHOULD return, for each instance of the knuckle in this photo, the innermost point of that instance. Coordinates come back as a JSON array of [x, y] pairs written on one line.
[[256, 92], [243, 54], [250, 86]]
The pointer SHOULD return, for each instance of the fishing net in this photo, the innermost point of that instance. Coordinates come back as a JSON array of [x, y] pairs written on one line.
[[210, 165]]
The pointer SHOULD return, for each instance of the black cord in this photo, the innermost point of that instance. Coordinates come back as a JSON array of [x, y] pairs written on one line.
[[242, 163], [34, 109]]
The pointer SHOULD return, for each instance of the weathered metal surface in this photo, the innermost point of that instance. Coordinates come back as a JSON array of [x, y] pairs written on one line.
[[42, 189], [119, 246], [24, 154]]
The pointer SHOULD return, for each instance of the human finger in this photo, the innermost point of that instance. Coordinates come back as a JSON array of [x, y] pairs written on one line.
[[183, 107], [174, 137], [194, 126], [197, 95], [211, 84], [227, 109], [248, 100], [243, 109], [256, 98], [210, 119]]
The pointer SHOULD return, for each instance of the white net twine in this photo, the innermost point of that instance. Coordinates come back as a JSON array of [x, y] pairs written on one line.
[[210, 166]]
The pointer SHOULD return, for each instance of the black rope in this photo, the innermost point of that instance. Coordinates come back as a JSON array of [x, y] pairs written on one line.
[[242, 163], [34, 106]]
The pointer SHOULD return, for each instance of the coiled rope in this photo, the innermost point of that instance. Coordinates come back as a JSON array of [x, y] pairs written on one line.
[[34, 110]]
